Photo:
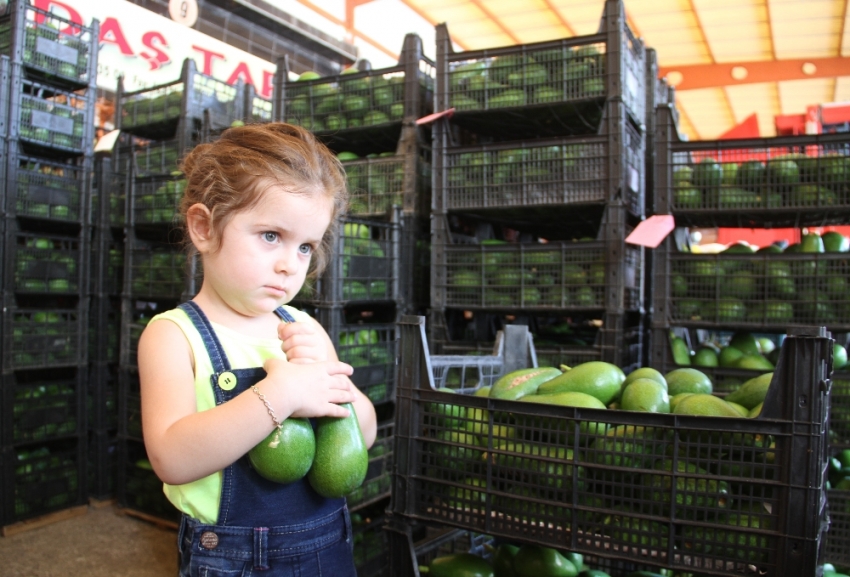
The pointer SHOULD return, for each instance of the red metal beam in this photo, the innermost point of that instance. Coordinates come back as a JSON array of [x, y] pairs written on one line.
[[720, 74]]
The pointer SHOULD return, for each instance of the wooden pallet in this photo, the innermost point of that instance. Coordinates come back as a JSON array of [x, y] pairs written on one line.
[[159, 521], [48, 519]]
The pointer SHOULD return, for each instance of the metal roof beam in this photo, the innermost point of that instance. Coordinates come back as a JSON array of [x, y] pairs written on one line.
[[732, 73]]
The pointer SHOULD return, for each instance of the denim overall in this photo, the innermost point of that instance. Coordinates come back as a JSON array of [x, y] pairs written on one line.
[[250, 539]]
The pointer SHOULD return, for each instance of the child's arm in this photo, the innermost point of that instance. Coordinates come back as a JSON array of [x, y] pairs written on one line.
[[306, 342], [184, 445]]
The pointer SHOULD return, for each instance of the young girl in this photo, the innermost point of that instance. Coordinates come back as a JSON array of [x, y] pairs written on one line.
[[217, 373]]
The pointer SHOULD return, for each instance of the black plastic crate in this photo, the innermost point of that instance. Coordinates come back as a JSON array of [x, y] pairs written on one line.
[[700, 494], [152, 157], [551, 174], [130, 416], [135, 318], [365, 267], [378, 482], [108, 194], [157, 112], [545, 88], [41, 338], [257, 109], [836, 547], [360, 111], [43, 263], [155, 200], [52, 48], [472, 273], [47, 189], [40, 406], [48, 120], [763, 291], [839, 415], [104, 331], [371, 550], [155, 270], [103, 464], [787, 181], [402, 179], [102, 397], [370, 347], [42, 478], [413, 547], [138, 487]]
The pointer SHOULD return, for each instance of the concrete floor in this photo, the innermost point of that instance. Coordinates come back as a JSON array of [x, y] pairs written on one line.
[[101, 542]]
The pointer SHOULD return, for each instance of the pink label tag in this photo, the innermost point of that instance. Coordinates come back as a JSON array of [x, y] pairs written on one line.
[[436, 116], [652, 231]]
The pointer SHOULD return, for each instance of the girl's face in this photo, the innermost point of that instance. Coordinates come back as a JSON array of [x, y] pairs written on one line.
[[265, 251]]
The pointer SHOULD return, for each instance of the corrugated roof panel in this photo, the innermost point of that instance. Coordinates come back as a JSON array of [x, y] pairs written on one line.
[[759, 98], [807, 29], [583, 15], [796, 95], [707, 110], [671, 30], [842, 89], [371, 19], [735, 30]]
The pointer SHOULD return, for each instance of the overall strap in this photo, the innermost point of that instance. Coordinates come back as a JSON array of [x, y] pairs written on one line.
[[284, 315], [219, 360]]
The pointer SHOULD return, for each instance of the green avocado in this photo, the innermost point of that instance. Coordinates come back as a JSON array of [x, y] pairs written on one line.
[[286, 455], [341, 458], [539, 561], [595, 378], [460, 565]]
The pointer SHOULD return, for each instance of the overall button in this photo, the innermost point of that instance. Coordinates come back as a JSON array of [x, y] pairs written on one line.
[[209, 540], [227, 381]]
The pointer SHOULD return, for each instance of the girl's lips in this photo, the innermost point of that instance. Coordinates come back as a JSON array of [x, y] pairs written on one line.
[[277, 289]]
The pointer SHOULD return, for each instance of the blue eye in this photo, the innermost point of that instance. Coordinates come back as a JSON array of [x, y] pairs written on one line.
[[305, 249], [269, 236]]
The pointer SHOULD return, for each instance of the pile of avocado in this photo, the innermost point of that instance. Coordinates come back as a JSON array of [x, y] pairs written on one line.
[[42, 267], [152, 107], [374, 185], [43, 338], [352, 99], [46, 191], [539, 461], [553, 274], [768, 286], [158, 273], [544, 76], [365, 272], [792, 180]]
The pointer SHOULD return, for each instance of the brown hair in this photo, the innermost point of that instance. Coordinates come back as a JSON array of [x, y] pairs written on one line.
[[230, 175]]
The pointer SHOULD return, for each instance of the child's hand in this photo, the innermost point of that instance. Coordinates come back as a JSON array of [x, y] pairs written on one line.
[[311, 389], [303, 342]]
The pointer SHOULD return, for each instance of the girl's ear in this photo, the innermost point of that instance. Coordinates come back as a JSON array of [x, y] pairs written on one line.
[[198, 225]]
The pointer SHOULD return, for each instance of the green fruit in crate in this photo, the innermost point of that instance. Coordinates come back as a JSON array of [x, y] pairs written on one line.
[[596, 378], [503, 560], [705, 357], [539, 561], [691, 491], [708, 174], [646, 395], [752, 392], [285, 456], [645, 373], [448, 414], [835, 242], [750, 175], [755, 362], [782, 173], [706, 405], [681, 352], [687, 380], [517, 384], [460, 565], [341, 459], [839, 357], [745, 342]]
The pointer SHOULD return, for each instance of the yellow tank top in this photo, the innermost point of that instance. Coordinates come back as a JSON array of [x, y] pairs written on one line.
[[200, 499]]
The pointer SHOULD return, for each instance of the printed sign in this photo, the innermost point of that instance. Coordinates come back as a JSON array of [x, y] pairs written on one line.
[[149, 49]]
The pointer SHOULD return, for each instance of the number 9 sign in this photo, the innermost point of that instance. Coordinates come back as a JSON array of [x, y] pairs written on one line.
[[183, 11]]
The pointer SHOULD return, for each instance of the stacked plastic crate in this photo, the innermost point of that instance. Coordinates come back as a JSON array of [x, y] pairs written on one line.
[[693, 494], [48, 67], [790, 181], [105, 284], [538, 179], [368, 118], [159, 125]]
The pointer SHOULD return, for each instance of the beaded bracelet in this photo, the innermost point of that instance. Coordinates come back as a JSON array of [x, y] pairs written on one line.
[[276, 440]]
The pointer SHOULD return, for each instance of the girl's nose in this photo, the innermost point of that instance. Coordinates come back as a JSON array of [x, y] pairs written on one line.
[[287, 261]]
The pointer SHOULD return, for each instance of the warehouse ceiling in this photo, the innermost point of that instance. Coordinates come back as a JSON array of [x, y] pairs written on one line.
[[729, 59]]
